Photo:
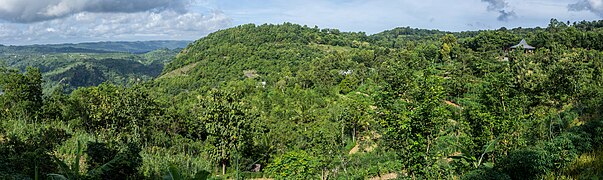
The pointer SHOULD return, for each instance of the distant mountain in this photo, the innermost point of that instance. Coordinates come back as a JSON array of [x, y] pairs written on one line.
[[136, 47], [90, 64], [43, 49]]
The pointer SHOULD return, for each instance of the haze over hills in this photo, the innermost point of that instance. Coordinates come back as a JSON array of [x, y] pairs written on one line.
[[136, 47]]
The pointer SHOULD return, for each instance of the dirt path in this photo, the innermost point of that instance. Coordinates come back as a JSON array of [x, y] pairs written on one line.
[[385, 177]]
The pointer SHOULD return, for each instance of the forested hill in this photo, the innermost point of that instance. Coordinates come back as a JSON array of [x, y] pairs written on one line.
[[446, 97], [295, 102], [267, 52], [268, 49]]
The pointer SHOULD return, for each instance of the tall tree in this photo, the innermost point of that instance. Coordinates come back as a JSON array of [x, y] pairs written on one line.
[[228, 125], [22, 93]]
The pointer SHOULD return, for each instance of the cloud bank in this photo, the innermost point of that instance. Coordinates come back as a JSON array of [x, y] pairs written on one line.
[[117, 26], [595, 6], [52, 21], [502, 7], [27, 11]]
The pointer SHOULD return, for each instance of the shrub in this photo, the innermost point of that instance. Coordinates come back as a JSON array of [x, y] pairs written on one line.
[[561, 150], [23, 158], [594, 128], [525, 164], [294, 165], [485, 174]]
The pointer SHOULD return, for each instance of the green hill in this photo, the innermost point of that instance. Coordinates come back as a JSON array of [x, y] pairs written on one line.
[[270, 51], [411, 86]]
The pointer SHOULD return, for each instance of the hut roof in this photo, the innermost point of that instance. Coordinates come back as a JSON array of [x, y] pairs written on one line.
[[523, 44]]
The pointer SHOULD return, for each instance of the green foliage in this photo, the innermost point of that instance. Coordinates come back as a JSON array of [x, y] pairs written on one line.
[[228, 125], [28, 156], [586, 166], [492, 40], [99, 154], [122, 111], [174, 174], [525, 164], [69, 172], [294, 165], [415, 130], [123, 165], [371, 164], [561, 150], [190, 160], [22, 94], [485, 174]]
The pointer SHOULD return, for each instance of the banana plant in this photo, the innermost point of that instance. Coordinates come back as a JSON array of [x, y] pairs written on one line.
[[174, 174], [466, 158], [73, 172]]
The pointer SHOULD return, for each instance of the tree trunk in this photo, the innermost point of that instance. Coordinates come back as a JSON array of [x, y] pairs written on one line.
[[502, 99], [354, 134], [223, 167], [323, 175], [342, 134]]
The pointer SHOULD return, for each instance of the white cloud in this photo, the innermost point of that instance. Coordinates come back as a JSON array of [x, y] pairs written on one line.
[[27, 11], [147, 25]]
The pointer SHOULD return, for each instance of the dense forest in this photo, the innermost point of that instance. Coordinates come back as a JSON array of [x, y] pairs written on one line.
[[296, 102]]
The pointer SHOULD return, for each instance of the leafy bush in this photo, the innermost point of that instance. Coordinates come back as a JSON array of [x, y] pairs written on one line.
[[525, 164], [123, 166], [30, 156], [99, 154], [594, 128], [561, 150], [485, 174], [294, 165], [371, 164]]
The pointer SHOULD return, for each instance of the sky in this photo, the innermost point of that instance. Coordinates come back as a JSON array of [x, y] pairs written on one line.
[[25, 22]]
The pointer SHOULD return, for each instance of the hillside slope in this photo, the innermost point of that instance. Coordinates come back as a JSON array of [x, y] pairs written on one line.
[[420, 89], [271, 52]]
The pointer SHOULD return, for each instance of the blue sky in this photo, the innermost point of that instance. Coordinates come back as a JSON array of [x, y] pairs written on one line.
[[68, 21]]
